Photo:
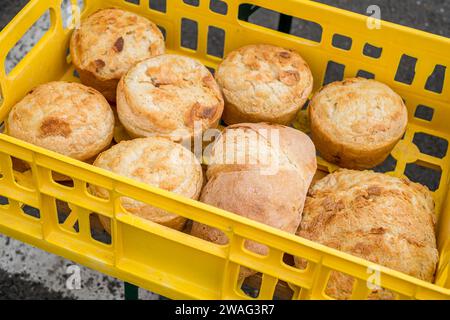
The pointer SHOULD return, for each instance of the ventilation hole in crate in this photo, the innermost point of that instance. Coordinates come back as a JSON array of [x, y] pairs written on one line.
[[189, 34], [31, 211], [424, 113], [426, 174], [306, 29], [194, 3], [255, 248], [283, 291], [63, 210], [136, 2], [431, 145], [365, 74], [372, 51], [20, 165], [271, 19], [71, 13], [98, 192], [335, 72], [218, 6], [164, 32], [261, 17], [406, 69], [209, 234], [27, 42], [4, 201], [158, 5], [216, 41], [340, 285], [100, 228], [62, 180], [388, 165], [294, 261], [342, 42], [435, 82], [252, 284]]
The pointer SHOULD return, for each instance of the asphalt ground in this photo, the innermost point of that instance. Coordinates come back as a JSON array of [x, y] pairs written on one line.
[[29, 273]]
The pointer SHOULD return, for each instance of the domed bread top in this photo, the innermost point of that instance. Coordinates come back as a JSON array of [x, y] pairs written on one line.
[[383, 219], [108, 43], [158, 162], [264, 83], [169, 96], [68, 118]]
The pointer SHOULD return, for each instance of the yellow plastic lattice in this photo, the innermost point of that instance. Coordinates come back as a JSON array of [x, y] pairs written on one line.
[[173, 263]]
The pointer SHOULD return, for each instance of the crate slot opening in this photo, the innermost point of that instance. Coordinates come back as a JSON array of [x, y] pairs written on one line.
[[136, 2], [431, 145], [71, 13], [424, 112], [98, 192], [255, 248], [425, 174], [251, 285], [372, 51], [218, 6], [4, 201], [67, 219], [283, 291], [28, 41], [334, 72], [158, 5], [292, 261], [365, 74], [31, 211], [62, 180], [273, 20], [189, 34], [342, 42], [388, 165], [101, 227], [216, 41], [406, 70], [435, 83], [194, 3]]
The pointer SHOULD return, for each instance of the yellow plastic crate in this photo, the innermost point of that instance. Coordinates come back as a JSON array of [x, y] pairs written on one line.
[[175, 264]]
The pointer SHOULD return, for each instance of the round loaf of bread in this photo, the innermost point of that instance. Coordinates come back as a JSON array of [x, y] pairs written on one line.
[[158, 162], [264, 83], [383, 219], [68, 118], [169, 96], [357, 122], [261, 172], [108, 43]]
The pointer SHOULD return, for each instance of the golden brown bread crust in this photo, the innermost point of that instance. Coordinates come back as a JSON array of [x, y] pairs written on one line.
[[108, 43], [68, 118], [263, 83], [166, 95], [254, 191], [357, 122], [158, 162], [383, 219]]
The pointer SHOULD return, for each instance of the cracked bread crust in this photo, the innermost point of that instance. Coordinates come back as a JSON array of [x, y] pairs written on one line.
[[357, 122], [158, 162], [275, 199], [264, 83], [166, 96], [68, 118], [108, 43], [383, 219]]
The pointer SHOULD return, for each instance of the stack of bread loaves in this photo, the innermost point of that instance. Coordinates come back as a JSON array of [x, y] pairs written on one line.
[[258, 167], [252, 188]]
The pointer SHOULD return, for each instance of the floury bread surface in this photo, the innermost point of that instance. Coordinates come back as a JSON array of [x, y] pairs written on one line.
[[269, 187]]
